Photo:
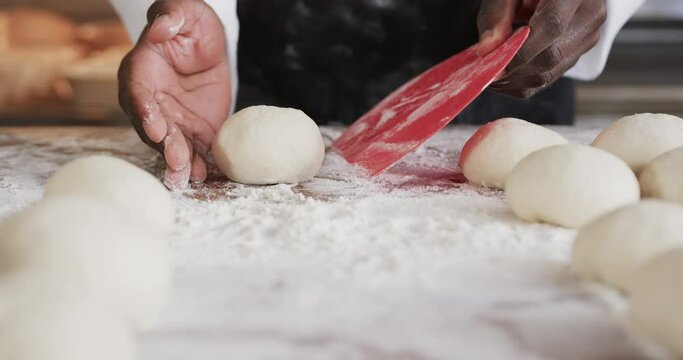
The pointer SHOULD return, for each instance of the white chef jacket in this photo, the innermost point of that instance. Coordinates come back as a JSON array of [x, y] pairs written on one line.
[[133, 14]]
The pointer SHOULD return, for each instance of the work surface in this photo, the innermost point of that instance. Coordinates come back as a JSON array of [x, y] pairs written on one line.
[[414, 264]]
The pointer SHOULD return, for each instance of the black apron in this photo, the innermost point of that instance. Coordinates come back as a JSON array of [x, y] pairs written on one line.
[[335, 59]]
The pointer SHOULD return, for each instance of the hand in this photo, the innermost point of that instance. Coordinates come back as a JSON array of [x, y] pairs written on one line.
[[175, 86], [561, 32]]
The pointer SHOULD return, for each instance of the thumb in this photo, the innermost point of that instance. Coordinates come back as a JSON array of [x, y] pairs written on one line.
[[165, 19], [494, 22]]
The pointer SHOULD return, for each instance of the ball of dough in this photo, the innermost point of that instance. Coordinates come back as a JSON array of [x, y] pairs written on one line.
[[119, 183], [263, 145], [639, 139], [656, 298], [570, 185], [493, 151], [663, 178], [95, 246], [614, 246], [38, 323]]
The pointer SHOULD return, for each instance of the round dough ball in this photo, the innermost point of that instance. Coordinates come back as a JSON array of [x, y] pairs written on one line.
[[639, 139], [93, 246], [614, 246], [663, 178], [656, 298], [264, 145], [493, 151], [570, 185], [119, 183], [38, 323]]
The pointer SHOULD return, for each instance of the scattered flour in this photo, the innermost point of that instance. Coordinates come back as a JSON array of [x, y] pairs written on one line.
[[414, 264]]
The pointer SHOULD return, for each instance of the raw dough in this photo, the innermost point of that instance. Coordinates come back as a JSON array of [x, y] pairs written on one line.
[[570, 185], [493, 151], [264, 145], [119, 183], [656, 299], [639, 139], [95, 246], [43, 321], [614, 246], [663, 178]]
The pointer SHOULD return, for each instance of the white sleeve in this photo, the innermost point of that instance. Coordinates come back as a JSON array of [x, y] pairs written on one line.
[[591, 64], [133, 14]]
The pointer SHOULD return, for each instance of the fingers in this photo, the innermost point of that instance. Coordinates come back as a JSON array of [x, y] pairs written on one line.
[[165, 27], [146, 113], [549, 22], [528, 76], [177, 180], [186, 145], [178, 156], [196, 168], [495, 23], [165, 19], [199, 168], [554, 61], [168, 18], [176, 149], [138, 102], [523, 87], [188, 122]]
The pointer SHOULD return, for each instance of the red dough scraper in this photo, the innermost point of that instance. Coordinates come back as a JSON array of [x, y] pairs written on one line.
[[419, 109]]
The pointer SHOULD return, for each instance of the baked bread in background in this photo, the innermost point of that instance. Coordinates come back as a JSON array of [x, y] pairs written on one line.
[[44, 53], [99, 35], [36, 73], [28, 27]]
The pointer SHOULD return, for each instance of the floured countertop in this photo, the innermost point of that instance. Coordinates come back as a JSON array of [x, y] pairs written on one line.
[[415, 264]]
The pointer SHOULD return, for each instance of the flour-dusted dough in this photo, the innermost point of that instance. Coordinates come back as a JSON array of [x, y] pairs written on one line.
[[493, 151], [119, 183], [615, 245], [639, 139], [42, 321], [663, 177], [656, 298], [264, 145], [77, 240], [570, 185]]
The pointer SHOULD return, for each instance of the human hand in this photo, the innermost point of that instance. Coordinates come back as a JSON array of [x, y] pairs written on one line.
[[175, 86], [561, 32]]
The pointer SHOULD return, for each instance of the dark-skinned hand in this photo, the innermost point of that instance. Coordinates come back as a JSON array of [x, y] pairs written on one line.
[[561, 32], [175, 86]]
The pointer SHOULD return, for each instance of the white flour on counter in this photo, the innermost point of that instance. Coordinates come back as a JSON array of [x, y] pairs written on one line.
[[375, 236], [413, 220], [411, 265]]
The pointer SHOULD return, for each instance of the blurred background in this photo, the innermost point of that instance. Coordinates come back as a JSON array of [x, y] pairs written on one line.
[[58, 63]]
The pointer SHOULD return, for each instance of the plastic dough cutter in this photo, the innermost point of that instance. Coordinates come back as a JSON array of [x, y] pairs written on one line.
[[419, 109]]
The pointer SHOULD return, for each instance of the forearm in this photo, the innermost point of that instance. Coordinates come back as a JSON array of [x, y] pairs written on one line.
[[591, 64]]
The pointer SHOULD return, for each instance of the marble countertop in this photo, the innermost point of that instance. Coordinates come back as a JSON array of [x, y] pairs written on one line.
[[415, 264]]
